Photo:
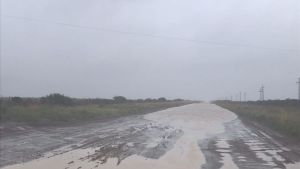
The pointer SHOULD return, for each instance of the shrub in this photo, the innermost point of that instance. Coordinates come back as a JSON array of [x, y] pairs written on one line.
[[57, 99], [120, 99]]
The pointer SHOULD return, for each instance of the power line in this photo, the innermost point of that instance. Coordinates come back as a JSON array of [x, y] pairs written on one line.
[[299, 88], [144, 34], [240, 96]]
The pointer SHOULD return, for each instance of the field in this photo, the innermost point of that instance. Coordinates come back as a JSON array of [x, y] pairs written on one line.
[[36, 113], [281, 116]]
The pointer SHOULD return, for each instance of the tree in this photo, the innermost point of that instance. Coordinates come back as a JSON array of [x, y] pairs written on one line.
[[162, 99], [149, 100], [178, 100], [17, 100], [120, 99], [57, 99]]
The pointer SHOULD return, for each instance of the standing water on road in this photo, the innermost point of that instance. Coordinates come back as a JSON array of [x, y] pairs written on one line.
[[193, 136]]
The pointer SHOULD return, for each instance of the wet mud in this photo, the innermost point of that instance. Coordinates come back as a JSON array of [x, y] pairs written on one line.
[[193, 136], [118, 139], [249, 148], [150, 141]]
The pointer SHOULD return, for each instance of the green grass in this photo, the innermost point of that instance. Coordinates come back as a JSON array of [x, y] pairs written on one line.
[[284, 119], [38, 114]]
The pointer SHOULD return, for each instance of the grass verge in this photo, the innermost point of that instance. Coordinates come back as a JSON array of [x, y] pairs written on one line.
[[44, 114], [284, 118]]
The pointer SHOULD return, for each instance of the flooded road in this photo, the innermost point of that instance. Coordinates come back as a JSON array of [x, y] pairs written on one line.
[[194, 136]]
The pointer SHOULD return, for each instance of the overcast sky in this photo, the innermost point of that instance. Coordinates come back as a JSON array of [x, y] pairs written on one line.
[[192, 49]]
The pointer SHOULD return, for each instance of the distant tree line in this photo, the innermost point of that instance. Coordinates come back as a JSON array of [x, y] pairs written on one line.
[[60, 99]]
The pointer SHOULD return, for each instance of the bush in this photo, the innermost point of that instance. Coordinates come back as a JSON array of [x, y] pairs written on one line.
[[120, 99], [57, 99], [162, 99], [16, 100]]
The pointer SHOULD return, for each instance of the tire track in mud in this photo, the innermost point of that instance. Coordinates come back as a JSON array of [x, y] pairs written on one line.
[[249, 149], [119, 139], [149, 140]]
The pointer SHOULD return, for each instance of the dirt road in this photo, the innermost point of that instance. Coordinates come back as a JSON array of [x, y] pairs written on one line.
[[189, 137]]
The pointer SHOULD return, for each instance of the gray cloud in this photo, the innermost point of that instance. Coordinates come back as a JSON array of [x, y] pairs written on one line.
[[150, 48]]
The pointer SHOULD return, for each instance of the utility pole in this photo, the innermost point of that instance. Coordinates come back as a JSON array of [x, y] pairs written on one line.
[[262, 93], [245, 96], [299, 89], [240, 96]]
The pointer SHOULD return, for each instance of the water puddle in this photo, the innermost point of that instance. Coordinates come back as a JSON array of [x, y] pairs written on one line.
[[166, 139]]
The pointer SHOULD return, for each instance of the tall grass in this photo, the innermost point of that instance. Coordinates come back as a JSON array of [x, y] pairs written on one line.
[[46, 114], [284, 119]]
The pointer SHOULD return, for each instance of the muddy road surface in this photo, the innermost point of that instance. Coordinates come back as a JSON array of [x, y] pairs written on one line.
[[195, 136]]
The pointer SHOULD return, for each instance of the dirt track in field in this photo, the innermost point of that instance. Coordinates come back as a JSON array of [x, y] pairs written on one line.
[[192, 136]]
